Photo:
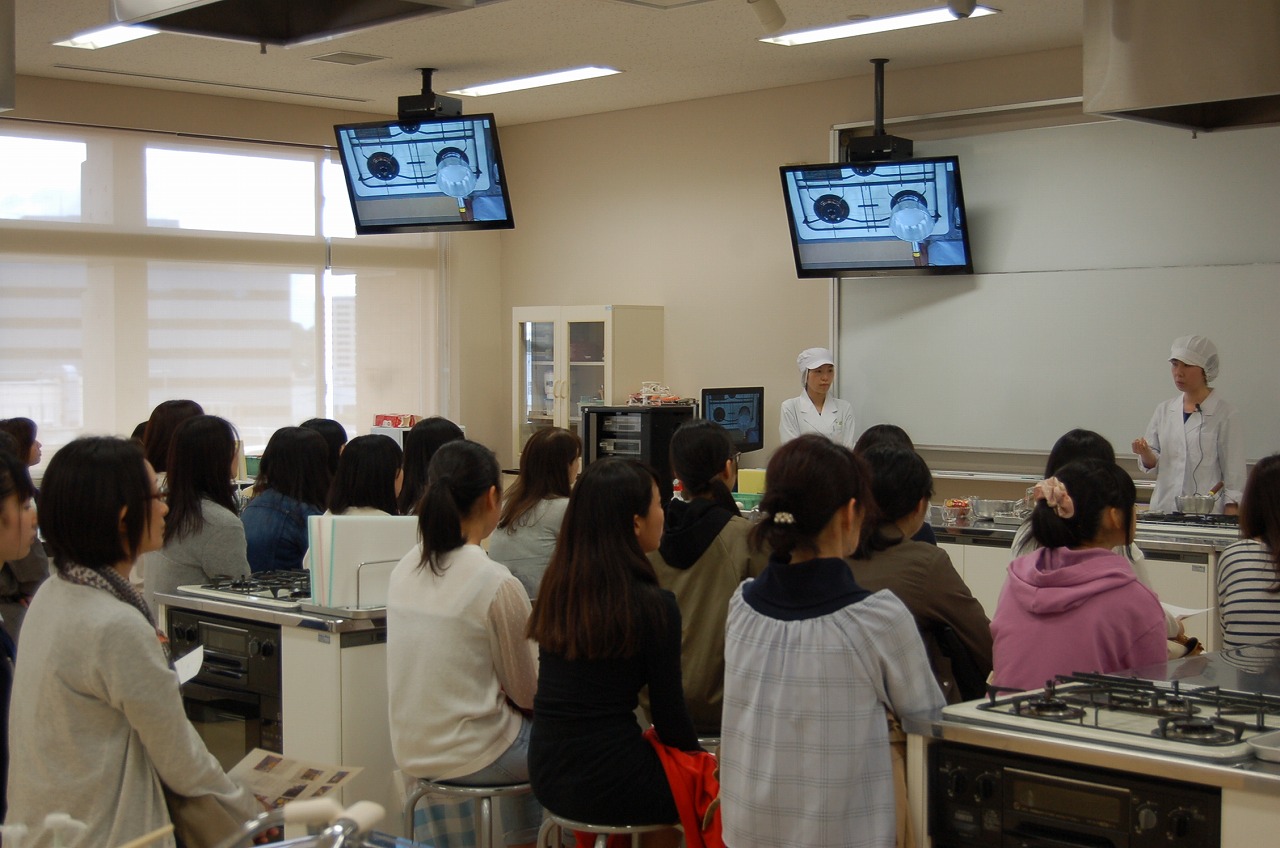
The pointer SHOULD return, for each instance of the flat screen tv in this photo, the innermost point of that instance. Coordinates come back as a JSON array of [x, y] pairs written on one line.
[[740, 411], [856, 219], [434, 174]]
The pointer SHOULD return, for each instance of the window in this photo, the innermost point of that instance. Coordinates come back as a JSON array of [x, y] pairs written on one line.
[[248, 310]]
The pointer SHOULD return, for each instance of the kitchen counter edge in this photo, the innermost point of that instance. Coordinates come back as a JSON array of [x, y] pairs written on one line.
[[265, 615]]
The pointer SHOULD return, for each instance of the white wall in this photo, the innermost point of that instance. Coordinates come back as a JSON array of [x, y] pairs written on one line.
[[1095, 246]]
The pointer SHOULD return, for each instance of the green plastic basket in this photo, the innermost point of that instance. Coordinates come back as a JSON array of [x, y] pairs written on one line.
[[747, 500]]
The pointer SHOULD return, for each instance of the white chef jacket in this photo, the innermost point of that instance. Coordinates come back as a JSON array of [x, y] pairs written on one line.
[[800, 416], [1197, 453]]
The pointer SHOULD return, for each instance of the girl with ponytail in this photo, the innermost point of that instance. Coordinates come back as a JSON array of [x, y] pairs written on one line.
[[1074, 605], [461, 674], [703, 556]]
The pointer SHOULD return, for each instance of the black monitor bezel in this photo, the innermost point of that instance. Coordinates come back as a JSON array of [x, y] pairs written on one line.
[[741, 447], [429, 226]]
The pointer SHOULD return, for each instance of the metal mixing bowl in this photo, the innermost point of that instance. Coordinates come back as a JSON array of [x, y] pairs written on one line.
[[1195, 504], [991, 507]]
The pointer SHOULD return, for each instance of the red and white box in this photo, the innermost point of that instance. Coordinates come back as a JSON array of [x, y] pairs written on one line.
[[401, 421]]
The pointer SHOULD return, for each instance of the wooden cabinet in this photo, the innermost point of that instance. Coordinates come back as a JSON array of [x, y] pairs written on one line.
[[570, 356]]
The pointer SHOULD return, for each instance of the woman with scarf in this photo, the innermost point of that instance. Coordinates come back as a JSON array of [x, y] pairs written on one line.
[[97, 725]]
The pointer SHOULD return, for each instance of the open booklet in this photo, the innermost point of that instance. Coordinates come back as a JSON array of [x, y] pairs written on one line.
[[276, 780]]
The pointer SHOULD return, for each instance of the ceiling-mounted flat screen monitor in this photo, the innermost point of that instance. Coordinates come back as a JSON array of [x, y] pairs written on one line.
[[740, 411], [855, 219], [434, 174]]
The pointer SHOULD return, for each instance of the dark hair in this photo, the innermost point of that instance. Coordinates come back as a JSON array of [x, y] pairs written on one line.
[[8, 443], [544, 473], [295, 463], [808, 478], [900, 479], [1260, 508], [23, 431], [138, 432], [1075, 445], [200, 457], [882, 434], [14, 477], [335, 436], [366, 475], [599, 595], [164, 419], [86, 485], [461, 473], [420, 445], [1093, 485], [699, 450]]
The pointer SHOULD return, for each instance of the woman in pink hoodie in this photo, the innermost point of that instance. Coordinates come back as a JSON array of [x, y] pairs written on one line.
[[1073, 605]]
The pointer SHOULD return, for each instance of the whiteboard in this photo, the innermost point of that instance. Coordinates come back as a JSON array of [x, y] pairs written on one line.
[[1095, 246]]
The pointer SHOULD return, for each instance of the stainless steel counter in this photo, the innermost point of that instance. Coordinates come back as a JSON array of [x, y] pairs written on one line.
[[1153, 537], [285, 618]]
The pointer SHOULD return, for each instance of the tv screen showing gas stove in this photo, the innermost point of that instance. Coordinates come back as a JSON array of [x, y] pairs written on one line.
[[901, 217], [434, 174]]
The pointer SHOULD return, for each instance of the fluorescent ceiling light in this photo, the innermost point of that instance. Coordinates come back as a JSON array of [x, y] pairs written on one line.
[[553, 78], [874, 25], [107, 36]]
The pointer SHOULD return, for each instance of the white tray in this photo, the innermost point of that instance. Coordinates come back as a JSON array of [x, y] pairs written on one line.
[[1267, 746]]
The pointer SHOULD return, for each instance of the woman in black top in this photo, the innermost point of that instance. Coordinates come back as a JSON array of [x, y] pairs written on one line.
[[605, 630]]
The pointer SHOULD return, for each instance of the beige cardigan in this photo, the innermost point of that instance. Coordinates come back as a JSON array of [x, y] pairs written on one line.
[[97, 722]]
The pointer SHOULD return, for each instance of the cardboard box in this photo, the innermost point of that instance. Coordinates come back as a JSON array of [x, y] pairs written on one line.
[[400, 420]]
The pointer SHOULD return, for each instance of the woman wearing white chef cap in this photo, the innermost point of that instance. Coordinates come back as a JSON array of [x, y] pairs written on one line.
[[1194, 443], [816, 410]]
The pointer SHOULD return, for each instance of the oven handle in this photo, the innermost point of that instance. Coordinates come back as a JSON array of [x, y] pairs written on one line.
[[1027, 835], [201, 694]]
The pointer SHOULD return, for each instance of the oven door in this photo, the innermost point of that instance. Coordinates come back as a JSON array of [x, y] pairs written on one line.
[[232, 723]]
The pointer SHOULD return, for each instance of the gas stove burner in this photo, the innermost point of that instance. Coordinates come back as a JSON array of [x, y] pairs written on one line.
[[1189, 518], [275, 584], [1046, 706], [1199, 730]]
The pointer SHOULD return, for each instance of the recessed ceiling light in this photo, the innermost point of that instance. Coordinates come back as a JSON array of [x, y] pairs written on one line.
[[871, 26], [553, 78], [107, 37]]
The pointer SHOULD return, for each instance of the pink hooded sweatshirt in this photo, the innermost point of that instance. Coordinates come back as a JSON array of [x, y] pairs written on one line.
[[1063, 611]]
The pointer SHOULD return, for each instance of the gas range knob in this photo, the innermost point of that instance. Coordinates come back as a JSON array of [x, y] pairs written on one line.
[[1147, 818], [986, 786], [957, 783], [255, 647], [268, 649], [1180, 824]]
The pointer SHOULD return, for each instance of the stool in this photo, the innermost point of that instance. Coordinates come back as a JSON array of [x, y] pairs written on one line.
[[482, 795], [557, 824], [710, 744]]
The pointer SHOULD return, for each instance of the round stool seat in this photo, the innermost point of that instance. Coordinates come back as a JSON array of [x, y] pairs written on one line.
[[482, 795], [556, 824]]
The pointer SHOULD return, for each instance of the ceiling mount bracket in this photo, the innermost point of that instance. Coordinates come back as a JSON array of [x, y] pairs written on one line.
[[879, 146], [428, 104]]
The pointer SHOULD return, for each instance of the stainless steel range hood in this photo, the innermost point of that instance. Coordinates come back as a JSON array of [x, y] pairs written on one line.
[[279, 22], [1185, 63]]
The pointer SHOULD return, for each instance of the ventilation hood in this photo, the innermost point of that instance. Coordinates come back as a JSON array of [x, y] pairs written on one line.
[[1185, 63], [282, 23]]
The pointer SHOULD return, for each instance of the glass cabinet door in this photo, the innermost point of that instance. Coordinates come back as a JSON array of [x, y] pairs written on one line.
[[538, 389], [586, 370]]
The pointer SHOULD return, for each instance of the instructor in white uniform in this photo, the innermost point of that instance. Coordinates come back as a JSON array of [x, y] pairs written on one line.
[[816, 410], [1194, 443]]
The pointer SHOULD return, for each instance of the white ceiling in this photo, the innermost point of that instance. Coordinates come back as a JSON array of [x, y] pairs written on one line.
[[702, 49]]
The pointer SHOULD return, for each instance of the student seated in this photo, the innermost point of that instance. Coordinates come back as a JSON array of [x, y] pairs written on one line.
[[1249, 570], [1074, 605], [921, 575]]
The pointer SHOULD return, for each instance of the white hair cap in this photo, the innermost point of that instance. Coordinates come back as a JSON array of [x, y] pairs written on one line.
[[1197, 351], [814, 357]]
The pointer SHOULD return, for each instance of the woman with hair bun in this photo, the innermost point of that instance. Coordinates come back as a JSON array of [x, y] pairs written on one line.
[[460, 672], [703, 556], [1074, 605], [812, 662]]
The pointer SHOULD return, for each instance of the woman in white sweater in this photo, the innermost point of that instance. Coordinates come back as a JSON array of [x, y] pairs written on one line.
[[97, 726], [461, 674]]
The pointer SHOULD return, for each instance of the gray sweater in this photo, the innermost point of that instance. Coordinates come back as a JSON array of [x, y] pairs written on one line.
[[97, 722], [526, 546], [217, 550]]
